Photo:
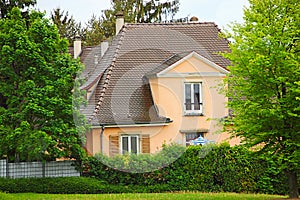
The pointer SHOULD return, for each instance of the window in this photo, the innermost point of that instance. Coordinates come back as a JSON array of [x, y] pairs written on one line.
[[193, 98], [130, 144], [192, 136]]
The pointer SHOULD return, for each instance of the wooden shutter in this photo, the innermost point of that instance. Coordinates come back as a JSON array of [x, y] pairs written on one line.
[[145, 143], [114, 145]]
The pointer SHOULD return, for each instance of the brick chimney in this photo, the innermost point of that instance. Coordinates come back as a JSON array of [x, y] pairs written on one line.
[[77, 46], [119, 21]]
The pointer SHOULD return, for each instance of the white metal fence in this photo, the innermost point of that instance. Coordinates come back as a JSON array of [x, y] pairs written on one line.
[[38, 169]]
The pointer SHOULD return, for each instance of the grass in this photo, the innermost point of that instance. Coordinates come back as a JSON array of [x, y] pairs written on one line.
[[152, 196]]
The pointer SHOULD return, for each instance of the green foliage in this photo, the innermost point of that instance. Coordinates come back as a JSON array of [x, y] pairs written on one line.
[[143, 162], [7, 6], [37, 77], [207, 169], [70, 185], [221, 169], [263, 80], [67, 27], [93, 32], [138, 11]]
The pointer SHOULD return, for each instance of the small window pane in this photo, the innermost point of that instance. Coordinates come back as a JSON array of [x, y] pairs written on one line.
[[124, 145], [196, 97], [188, 97], [134, 144]]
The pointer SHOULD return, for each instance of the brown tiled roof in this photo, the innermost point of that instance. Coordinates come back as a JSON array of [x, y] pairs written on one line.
[[167, 63], [122, 94], [98, 69], [90, 57]]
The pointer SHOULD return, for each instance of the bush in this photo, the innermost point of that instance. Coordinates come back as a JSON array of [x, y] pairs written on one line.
[[72, 185], [65, 185], [208, 168], [142, 163]]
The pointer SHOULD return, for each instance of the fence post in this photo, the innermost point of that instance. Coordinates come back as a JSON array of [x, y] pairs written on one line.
[[44, 168], [7, 167]]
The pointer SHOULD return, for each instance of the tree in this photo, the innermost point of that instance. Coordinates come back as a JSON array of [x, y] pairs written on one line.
[[93, 33], [36, 83], [67, 27], [262, 84], [7, 6], [138, 11]]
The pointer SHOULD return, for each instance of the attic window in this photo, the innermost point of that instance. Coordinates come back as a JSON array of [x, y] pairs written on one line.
[[193, 104]]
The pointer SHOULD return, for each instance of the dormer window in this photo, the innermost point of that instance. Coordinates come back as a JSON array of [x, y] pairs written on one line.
[[193, 99]]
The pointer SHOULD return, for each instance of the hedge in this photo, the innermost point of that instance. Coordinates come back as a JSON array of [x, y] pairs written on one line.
[[210, 168], [72, 185]]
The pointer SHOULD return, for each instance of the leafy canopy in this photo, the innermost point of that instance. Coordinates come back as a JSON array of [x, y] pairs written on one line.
[[263, 84], [36, 82], [7, 6]]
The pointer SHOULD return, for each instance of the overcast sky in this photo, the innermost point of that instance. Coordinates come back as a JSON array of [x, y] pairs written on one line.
[[222, 12]]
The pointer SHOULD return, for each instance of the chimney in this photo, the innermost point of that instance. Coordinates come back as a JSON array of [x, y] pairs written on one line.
[[77, 46], [119, 21], [194, 19], [96, 59], [104, 47]]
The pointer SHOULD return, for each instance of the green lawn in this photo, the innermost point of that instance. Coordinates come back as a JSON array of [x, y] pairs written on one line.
[[154, 196]]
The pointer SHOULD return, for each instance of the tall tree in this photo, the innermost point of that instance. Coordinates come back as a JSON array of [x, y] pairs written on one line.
[[138, 11], [6, 6], [36, 85], [93, 32], [262, 84], [67, 26]]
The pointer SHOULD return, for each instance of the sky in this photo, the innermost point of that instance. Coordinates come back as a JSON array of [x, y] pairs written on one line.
[[222, 12]]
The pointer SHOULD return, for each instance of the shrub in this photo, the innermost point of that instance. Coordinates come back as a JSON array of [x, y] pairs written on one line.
[[72, 185], [65, 185], [209, 168], [142, 163]]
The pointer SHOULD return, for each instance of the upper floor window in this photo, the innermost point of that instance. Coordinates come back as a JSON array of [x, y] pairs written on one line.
[[193, 98]]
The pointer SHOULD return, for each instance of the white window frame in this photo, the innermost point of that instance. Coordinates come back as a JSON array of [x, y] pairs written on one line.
[[193, 111], [129, 136]]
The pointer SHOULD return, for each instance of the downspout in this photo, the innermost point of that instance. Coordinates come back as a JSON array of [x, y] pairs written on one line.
[[101, 138]]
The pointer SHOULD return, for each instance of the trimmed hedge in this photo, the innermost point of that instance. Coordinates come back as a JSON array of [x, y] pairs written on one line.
[[64, 185], [72, 185]]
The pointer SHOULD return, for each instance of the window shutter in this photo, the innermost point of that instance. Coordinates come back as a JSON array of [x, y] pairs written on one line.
[[113, 145], [145, 143]]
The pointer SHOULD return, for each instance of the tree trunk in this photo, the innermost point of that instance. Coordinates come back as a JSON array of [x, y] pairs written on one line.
[[293, 185]]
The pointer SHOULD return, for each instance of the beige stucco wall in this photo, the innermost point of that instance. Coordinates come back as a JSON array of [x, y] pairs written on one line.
[[168, 95], [158, 136]]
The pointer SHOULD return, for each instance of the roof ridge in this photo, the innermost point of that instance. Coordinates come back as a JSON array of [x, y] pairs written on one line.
[[170, 23], [107, 79]]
